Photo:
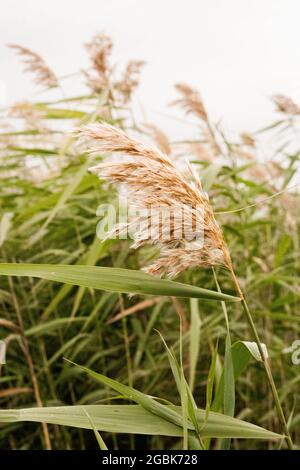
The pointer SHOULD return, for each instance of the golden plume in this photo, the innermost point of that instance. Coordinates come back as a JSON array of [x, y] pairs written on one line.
[[154, 183]]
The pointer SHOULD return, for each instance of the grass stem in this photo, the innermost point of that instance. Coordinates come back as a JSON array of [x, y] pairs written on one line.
[[266, 364]]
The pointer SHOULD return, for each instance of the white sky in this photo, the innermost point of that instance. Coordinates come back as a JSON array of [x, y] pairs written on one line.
[[236, 52]]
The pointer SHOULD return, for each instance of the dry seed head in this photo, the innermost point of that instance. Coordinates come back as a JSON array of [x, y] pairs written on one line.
[[32, 116], [95, 82], [200, 150], [160, 138], [35, 63], [243, 153], [247, 139], [99, 50], [259, 172], [174, 261], [286, 105], [154, 182], [191, 101], [130, 80], [290, 204], [268, 172]]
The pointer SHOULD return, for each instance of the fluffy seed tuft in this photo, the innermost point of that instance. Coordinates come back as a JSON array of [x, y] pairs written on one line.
[[35, 63], [154, 182]]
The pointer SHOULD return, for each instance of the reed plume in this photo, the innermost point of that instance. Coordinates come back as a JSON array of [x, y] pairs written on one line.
[[201, 150], [247, 139], [35, 64], [130, 80], [155, 183], [101, 74], [31, 115], [159, 137], [190, 100], [286, 105], [99, 50]]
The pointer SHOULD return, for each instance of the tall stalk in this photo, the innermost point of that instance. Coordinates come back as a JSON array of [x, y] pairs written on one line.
[[264, 361]]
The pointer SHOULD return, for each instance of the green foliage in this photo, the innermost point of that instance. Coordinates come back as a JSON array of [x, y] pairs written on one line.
[[48, 219]]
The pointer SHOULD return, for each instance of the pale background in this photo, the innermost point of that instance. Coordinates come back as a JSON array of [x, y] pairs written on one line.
[[237, 52]]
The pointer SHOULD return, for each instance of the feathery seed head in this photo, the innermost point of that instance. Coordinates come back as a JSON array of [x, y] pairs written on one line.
[[191, 101], [31, 115], [155, 184], [247, 139], [35, 63], [130, 80], [286, 105], [99, 50], [160, 138]]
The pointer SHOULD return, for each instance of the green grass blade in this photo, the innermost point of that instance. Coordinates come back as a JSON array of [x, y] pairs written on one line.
[[229, 388], [210, 381], [111, 279], [195, 329], [241, 352], [135, 419], [140, 398], [99, 439]]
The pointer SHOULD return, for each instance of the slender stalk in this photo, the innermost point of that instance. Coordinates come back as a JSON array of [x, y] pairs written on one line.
[[265, 363], [26, 350]]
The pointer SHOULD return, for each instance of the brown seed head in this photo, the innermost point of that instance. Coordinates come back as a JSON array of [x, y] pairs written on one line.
[[247, 139], [154, 182], [99, 50], [35, 63], [191, 101], [286, 105], [32, 116], [160, 138], [130, 80]]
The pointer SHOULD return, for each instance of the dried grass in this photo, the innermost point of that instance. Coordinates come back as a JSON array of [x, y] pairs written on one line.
[[35, 64], [154, 182]]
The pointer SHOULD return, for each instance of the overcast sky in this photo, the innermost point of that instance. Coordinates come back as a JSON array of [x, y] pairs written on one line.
[[237, 52]]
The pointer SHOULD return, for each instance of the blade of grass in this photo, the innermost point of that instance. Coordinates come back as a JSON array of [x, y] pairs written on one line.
[[111, 279], [99, 439], [135, 419], [195, 329]]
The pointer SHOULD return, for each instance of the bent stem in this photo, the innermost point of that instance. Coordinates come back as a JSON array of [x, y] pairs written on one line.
[[264, 361]]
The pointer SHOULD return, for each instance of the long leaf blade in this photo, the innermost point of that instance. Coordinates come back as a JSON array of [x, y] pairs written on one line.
[[135, 419], [111, 279]]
